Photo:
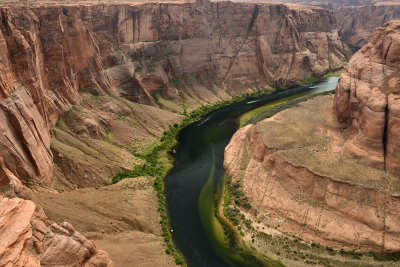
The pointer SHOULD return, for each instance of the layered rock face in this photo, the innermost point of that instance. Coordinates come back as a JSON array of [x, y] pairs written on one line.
[[49, 52], [28, 238], [356, 24], [292, 169], [334, 4], [368, 98]]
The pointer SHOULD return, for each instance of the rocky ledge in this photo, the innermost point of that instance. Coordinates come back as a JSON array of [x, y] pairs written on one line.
[[29, 238], [368, 100], [292, 169]]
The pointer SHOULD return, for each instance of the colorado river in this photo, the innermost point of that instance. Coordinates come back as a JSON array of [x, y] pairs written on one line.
[[196, 181]]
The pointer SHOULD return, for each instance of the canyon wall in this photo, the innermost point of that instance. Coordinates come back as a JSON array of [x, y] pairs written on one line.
[[331, 176], [368, 99], [292, 169], [356, 24], [49, 52], [334, 4], [356, 19]]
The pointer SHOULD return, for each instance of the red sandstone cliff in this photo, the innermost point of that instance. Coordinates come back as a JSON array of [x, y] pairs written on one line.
[[29, 238], [292, 169], [298, 167], [334, 4], [356, 24], [368, 98], [50, 52]]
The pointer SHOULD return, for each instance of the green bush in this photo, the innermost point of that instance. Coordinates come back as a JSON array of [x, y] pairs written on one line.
[[330, 249], [315, 245]]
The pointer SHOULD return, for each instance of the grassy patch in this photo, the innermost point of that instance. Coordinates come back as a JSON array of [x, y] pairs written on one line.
[[174, 82], [379, 257], [267, 111], [307, 80], [335, 73], [273, 106], [107, 136], [353, 253]]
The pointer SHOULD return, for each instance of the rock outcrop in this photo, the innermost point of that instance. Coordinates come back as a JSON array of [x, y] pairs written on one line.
[[334, 4], [49, 52], [292, 169], [356, 24], [29, 238], [123, 219], [368, 98]]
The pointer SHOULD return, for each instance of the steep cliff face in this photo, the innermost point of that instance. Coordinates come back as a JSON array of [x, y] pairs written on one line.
[[368, 97], [356, 24], [49, 52], [292, 169], [334, 4]]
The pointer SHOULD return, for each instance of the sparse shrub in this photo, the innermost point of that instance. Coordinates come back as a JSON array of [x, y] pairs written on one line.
[[330, 249], [316, 245]]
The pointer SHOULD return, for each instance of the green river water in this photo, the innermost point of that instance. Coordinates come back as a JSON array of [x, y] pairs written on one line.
[[194, 186]]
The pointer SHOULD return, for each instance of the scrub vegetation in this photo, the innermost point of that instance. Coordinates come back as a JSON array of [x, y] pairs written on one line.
[[158, 159], [292, 250]]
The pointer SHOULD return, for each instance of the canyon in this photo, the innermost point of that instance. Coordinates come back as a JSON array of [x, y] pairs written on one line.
[[326, 171], [334, 4], [130, 51], [356, 19], [85, 87], [356, 24]]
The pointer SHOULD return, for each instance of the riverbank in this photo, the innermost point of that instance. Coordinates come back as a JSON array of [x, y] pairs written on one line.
[[158, 159], [270, 109], [221, 233], [87, 151], [309, 204]]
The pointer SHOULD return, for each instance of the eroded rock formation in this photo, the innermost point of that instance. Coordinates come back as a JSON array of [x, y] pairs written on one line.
[[292, 169], [334, 4], [29, 238], [368, 99], [356, 24]]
